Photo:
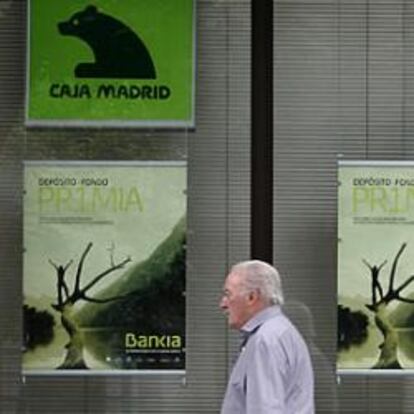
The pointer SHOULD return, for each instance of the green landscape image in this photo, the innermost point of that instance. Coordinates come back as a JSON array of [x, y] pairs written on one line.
[[375, 266], [102, 303]]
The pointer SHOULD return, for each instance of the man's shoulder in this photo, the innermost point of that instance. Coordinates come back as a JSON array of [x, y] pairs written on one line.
[[276, 326], [278, 336]]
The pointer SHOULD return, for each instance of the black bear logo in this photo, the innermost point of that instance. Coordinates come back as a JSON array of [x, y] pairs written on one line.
[[119, 52]]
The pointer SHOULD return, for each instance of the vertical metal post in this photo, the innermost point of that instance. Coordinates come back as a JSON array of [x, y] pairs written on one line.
[[262, 130]]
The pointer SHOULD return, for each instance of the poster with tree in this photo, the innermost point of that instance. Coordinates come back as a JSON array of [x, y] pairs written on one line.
[[375, 266], [104, 267]]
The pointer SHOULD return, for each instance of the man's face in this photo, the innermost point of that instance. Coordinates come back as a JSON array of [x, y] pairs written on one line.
[[235, 301]]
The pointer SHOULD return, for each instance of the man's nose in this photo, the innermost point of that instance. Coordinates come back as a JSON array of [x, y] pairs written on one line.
[[223, 303]]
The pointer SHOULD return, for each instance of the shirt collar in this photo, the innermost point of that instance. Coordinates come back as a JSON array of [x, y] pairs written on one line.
[[254, 323]]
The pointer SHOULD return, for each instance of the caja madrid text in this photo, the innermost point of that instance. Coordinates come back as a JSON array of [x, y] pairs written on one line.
[[109, 91]]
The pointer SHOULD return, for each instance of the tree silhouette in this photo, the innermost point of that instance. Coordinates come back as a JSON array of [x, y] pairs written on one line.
[[62, 287], [388, 357], [376, 285], [66, 300]]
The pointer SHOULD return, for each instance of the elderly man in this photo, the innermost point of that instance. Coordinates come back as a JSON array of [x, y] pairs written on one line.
[[273, 373]]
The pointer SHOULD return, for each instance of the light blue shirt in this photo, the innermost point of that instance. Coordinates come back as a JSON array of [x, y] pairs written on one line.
[[273, 373]]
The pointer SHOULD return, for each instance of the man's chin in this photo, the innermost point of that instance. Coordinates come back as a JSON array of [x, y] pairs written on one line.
[[232, 325]]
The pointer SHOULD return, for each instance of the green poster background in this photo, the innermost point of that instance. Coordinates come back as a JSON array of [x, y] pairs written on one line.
[[120, 228], [56, 96], [376, 266]]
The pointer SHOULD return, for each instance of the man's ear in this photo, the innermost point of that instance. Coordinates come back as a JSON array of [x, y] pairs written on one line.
[[253, 296]]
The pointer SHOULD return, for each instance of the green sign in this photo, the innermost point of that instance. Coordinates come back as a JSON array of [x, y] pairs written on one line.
[[111, 63], [104, 267]]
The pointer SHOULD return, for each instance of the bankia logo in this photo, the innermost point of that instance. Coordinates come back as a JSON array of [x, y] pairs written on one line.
[[119, 52]]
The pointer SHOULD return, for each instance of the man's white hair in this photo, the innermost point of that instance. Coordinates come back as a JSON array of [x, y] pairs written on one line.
[[261, 276]]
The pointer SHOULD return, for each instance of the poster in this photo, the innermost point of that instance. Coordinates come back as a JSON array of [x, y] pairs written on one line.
[[110, 63], [104, 267], [376, 267]]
